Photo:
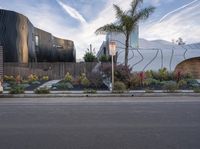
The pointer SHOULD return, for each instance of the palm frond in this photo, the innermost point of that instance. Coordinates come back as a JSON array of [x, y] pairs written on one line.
[[109, 28], [134, 5], [144, 13], [119, 11]]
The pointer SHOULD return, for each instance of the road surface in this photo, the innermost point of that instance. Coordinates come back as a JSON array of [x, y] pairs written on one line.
[[100, 123]]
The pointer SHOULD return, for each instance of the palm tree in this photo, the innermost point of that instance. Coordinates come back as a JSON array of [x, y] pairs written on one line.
[[127, 21]]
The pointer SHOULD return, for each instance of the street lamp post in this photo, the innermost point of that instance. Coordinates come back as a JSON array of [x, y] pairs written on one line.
[[112, 51]]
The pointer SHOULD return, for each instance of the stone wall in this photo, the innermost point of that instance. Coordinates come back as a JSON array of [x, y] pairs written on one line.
[[191, 66]]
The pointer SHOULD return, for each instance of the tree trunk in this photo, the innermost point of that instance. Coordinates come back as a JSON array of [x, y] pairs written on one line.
[[126, 50]]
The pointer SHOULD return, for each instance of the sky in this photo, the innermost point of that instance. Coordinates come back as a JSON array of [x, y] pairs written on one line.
[[77, 20]]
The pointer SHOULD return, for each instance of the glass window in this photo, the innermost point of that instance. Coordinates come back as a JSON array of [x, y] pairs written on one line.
[[36, 40]]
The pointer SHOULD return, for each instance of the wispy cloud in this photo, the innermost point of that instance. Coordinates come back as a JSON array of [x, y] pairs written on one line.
[[183, 23], [72, 12], [176, 10]]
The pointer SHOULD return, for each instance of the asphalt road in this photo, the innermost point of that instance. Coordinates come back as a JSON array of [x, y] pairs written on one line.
[[99, 123]]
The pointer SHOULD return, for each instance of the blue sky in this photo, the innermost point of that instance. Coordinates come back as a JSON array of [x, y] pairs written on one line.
[[78, 19]]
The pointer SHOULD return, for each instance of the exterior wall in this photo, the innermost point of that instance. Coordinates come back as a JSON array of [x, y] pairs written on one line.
[[17, 36], [119, 38], [103, 50], [191, 66]]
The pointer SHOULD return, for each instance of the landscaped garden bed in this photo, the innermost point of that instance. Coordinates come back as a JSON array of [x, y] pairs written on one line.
[[94, 82], [125, 80], [29, 83]]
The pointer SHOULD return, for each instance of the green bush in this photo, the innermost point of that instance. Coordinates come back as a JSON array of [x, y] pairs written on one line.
[[89, 57], [42, 90], [9, 78], [163, 74], [134, 81], [32, 78], [192, 83], [63, 86], [90, 91], [170, 86], [104, 58], [45, 78], [17, 89], [35, 82], [68, 77], [182, 83], [196, 90], [187, 76], [149, 91], [119, 87], [84, 80], [151, 82]]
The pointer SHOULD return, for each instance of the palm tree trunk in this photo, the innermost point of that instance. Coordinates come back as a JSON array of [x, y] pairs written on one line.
[[126, 50]]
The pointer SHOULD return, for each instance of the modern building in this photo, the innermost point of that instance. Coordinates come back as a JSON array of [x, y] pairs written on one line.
[[24, 43], [119, 38], [150, 55]]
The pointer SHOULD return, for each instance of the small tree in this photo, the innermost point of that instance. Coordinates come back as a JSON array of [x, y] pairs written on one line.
[[104, 58], [127, 22], [90, 57]]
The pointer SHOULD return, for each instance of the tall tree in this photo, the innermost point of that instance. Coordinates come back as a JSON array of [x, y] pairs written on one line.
[[126, 22]]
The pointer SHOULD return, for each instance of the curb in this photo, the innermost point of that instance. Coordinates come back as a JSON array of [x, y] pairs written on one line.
[[99, 95]]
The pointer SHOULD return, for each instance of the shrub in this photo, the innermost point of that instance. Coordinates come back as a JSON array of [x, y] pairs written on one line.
[[192, 83], [123, 74], [151, 82], [18, 79], [84, 80], [89, 57], [96, 79], [9, 78], [182, 83], [187, 76], [68, 77], [35, 82], [134, 80], [163, 73], [45, 78], [149, 91], [104, 58], [119, 87], [32, 78], [170, 86], [148, 74], [17, 89], [63, 86], [90, 91], [196, 90], [42, 90]]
